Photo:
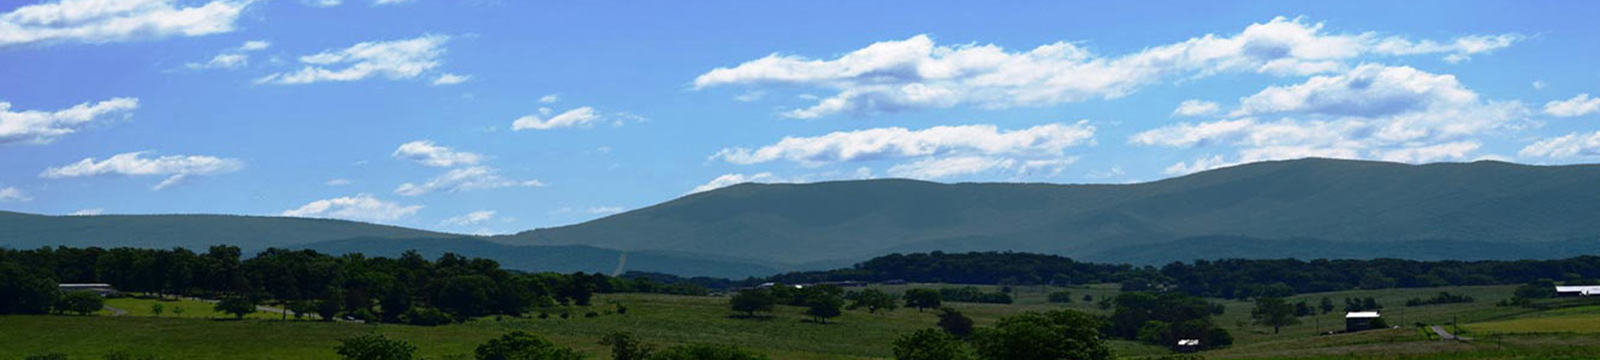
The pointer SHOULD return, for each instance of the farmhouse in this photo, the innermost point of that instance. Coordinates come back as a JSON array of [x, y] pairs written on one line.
[[1360, 320], [100, 289], [1572, 291]]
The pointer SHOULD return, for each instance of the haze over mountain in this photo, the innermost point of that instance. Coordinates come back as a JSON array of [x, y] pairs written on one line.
[[1306, 208], [1341, 201]]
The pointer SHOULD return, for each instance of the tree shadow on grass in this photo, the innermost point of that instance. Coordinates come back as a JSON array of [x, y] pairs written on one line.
[[752, 317]]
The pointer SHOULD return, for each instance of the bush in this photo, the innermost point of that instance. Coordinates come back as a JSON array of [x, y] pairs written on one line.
[[930, 344], [239, 306], [50, 356], [375, 347], [591, 314], [973, 295], [1052, 335], [524, 346], [82, 303], [1442, 298], [955, 323], [124, 355], [1061, 297], [706, 352]]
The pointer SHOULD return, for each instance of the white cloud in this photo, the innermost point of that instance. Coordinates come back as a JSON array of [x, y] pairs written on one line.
[[727, 180], [338, 182], [1202, 164], [1046, 140], [937, 168], [322, 3], [42, 127], [1196, 108], [605, 210], [101, 21], [916, 73], [464, 179], [395, 60], [175, 167], [13, 194], [362, 207], [468, 219], [451, 79], [1540, 85], [1576, 106], [389, 2], [426, 153], [1113, 172], [1565, 146], [550, 99], [88, 212], [580, 117], [231, 58], [1370, 112]]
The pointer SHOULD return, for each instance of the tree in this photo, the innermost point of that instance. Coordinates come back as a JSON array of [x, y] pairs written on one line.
[[157, 309], [519, 345], [1062, 297], [82, 303], [375, 347], [706, 352], [177, 311], [625, 347], [1537, 289], [1327, 305], [1274, 312], [955, 323], [824, 307], [930, 344], [753, 300], [1063, 334], [239, 306], [24, 292], [872, 299], [922, 299]]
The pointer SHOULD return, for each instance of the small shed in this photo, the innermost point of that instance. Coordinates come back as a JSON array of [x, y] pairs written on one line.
[[1188, 345], [1575, 291], [1359, 320], [99, 289]]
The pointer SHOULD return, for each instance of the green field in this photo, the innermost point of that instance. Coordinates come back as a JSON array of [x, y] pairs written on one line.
[[666, 319], [191, 309]]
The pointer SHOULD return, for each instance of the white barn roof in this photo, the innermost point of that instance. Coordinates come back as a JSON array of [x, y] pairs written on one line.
[[1579, 289], [1188, 342], [1362, 315]]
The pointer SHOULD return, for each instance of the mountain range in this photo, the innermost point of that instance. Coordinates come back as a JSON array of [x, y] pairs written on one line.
[[1305, 208]]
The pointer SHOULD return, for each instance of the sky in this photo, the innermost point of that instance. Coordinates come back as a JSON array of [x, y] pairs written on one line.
[[484, 117]]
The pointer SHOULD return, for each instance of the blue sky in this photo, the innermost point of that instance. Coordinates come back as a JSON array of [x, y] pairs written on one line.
[[501, 116]]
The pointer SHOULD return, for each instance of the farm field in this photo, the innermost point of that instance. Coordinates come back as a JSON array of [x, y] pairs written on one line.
[[667, 319]]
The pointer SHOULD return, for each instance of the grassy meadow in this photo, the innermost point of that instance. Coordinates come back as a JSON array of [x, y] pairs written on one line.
[[1502, 332]]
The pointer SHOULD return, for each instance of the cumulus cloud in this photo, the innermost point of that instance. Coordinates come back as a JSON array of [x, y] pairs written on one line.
[[450, 79], [894, 142], [231, 58], [464, 179], [362, 207], [1576, 106], [727, 180], [99, 21], [13, 194], [88, 212], [394, 60], [427, 153], [1565, 146], [549, 99], [916, 73], [472, 218], [1369, 112], [175, 167], [580, 117], [938, 168], [43, 127], [337, 182], [1196, 108]]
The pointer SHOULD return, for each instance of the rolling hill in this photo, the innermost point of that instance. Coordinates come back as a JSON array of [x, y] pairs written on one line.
[[1455, 205]]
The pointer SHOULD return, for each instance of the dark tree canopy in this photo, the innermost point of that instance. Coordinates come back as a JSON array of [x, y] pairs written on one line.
[[930, 344], [519, 345], [1063, 334], [375, 347]]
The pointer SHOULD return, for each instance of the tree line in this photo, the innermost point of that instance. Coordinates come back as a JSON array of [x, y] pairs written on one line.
[[406, 289], [1227, 278]]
